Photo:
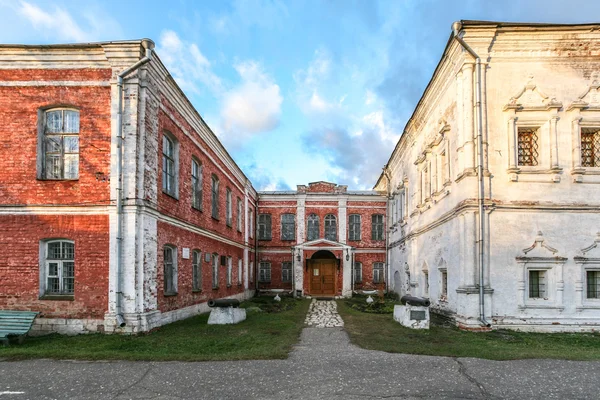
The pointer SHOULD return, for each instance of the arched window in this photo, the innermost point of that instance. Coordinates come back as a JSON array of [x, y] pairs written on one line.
[[60, 144], [330, 227], [312, 232], [59, 268]]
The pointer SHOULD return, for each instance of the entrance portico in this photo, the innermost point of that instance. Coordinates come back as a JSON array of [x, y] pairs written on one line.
[[323, 268]]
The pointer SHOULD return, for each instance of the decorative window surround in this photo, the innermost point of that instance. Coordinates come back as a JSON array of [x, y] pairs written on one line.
[[541, 257], [587, 115], [589, 260], [530, 108]]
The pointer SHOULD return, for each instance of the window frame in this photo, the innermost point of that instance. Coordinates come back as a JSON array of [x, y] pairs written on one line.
[[313, 225], [215, 183], [353, 235], [358, 276], [264, 226], [377, 227], [330, 227], [240, 271], [542, 284], [172, 290], [379, 266], [229, 271], [197, 182], [174, 158], [286, 269], [43, 139], [215, 271], [228, 207], [291, 223], [62, 293], [196, 270], [240, 214], [535, 155], [264, 272]]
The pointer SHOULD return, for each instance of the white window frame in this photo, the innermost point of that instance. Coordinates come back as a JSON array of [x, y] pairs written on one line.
[[44, 138], [354, 227], [377, 227], [228, 207], [172, 290], [196, 184], [229, 271], [330, 227], [239, 214], [313, 225], [379, 267], [215, 271], [443, 284], [196, 271], [170, 182], [251, 223], [286, 272], [264, 272], [60, 262]]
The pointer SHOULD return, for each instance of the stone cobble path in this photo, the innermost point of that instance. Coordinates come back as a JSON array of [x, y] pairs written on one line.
[[323, 314]]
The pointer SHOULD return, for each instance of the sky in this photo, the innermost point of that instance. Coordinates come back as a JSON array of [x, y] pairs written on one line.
[[298, 91]]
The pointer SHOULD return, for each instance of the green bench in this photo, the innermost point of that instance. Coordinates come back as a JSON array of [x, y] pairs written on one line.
[[15, 325]]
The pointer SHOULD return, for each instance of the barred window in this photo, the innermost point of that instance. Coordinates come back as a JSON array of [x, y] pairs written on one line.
[[286, 271], [215, 197], [169, 173], [593, 284], [196, 185], [378, 272], [264, 227], [60, 143], [330, 227], [357, 272], [215, 271], [196, 270], [264, 272], [528, 147], [229, 270], [377, 227], [537, 284], [288, 227], [228, 208], [59, 268], [239, 214], [312, 232], [170, 270], [590, 147], [354, 227]]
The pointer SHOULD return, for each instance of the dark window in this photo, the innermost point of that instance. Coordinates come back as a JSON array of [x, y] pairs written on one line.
[[215, 197], [264, 227], [288, 227], [61, 144], [354, 227], [357, 272], [330, 227], [286, 272], [528, 146], [593, 284], [537, 284], [378, 272], [170, 270], [377, 227], [312, 232], [196, 185], [228, 208], [264, 272], [169, 183]]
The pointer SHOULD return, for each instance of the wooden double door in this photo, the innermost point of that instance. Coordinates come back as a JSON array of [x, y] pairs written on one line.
[[322, 277]]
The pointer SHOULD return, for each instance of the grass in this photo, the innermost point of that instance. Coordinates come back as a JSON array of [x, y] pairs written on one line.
[[264, 334], [381, 332]]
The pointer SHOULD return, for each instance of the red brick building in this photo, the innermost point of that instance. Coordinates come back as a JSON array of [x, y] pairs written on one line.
[[121, 210]]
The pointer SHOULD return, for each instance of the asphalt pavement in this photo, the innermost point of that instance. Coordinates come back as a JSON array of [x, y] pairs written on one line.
[[324, 365]]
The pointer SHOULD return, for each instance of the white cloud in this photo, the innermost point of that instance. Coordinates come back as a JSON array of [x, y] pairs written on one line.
[[255, 105], [370, 97], [311, 82], [187, 64], [58, 22]]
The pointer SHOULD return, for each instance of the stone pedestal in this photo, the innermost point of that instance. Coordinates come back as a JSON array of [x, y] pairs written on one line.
[[414, 317], [226, 315]]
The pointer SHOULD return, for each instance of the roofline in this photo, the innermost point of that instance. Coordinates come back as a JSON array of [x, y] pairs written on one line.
[[472, 23], [72, 45]]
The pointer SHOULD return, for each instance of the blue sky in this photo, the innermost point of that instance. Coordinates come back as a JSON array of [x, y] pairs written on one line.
[[298, 91]]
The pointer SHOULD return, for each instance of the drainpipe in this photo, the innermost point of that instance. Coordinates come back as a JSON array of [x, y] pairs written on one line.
[[456, 28], [148, 45], [387, 236]]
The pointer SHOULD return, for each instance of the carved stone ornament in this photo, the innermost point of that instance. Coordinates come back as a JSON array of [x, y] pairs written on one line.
[[589, 100], [531, 98]]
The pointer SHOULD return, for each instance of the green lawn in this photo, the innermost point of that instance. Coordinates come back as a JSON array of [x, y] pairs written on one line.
[[381, 332], [263, 335]]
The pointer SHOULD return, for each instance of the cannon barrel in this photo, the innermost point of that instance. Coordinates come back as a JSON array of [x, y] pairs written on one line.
[[415, 301], [224, 303]]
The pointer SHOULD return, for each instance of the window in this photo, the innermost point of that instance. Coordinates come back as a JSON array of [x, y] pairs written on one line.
[[593, 284], [537, 284], [288, 227], [215, 197], [251, 223], [59, 268], [330, 227], [443, 169], [528, 146], [170, 270], [239, 214], [444, 291], [229, 271], [264, 272], [354, 227], [378, 272], [251, 271], [312, 232], [426, 281], [239, 281], [228, 208], [196, 271], [357, 272], [169, 174], [215, 271], [196, 185], [60, 144], [590, 147], [286, 271], [264, 227], [377, 227]]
